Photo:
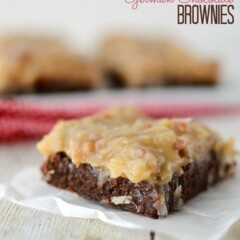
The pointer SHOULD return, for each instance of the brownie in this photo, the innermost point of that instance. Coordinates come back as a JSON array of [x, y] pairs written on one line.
[[129, 61], [146, 166], [32, 63]]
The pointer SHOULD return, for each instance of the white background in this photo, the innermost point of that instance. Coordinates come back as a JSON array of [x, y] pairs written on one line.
[[84, 21]]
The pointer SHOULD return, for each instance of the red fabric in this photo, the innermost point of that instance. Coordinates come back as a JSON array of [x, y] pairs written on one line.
[[21, 120]]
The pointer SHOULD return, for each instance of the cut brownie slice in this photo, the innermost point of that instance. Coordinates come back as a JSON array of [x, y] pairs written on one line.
[[146, 166], [43, 64], [136, 62]]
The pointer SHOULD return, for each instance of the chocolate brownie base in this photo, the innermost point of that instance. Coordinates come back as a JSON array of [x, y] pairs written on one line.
[[143, 198], [117, 80], [60, 85]]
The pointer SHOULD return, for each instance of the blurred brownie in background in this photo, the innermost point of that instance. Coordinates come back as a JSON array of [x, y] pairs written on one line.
[[43, 64], [136, 62]]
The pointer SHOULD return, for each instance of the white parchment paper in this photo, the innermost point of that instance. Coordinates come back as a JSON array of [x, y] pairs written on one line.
[[208, 216]]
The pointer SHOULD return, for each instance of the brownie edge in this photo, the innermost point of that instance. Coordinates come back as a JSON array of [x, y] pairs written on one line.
[[153, 200]]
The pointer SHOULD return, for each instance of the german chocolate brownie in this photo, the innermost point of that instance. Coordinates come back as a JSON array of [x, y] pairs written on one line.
[[130, 61], [145, 166], [30, 63]]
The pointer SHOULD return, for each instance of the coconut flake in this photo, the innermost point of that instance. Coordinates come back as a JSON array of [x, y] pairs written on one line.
[[122, 200]]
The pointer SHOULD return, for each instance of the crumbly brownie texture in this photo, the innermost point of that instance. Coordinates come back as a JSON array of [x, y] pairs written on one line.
[[133, 62], [42, 64], [143, 198]]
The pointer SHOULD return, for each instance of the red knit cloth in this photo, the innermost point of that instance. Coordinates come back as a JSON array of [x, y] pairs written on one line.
[[22, 119]]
